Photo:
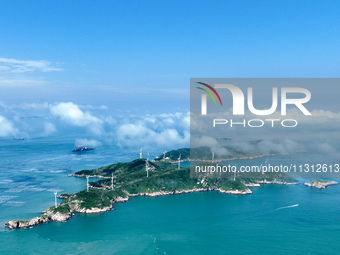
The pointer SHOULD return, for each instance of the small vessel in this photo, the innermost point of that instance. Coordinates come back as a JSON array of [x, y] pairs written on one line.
[[82, 148]]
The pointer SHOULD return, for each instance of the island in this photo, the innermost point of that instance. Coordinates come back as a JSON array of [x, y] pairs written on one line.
[[320, 184], [142, 177]]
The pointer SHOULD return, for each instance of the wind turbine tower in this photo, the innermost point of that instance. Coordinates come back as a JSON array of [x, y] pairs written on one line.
[[265, 165], [141, 153], [179, 161], [87, 183], [164, 155], [112, 181], [55, 200], [147, 166]]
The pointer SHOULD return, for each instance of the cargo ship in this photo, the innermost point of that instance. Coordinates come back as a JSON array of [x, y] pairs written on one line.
[[82, 148]]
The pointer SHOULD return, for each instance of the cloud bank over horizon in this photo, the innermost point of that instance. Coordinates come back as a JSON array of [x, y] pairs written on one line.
[[95, 126], [7, 127]]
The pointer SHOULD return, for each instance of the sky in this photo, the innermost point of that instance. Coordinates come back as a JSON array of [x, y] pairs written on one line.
[[105, 66]]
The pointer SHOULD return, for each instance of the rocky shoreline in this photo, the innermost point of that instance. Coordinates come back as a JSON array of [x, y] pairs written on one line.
[[84, 176], [177, 192], [49, 215], [275, 181], [236, 192], [46, 217], [320, 184]]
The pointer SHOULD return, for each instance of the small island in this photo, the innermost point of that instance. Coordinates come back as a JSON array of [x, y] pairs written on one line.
[[320, 184], [142, 177]]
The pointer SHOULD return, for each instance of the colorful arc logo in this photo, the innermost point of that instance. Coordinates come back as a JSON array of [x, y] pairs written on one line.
[[209, 93]]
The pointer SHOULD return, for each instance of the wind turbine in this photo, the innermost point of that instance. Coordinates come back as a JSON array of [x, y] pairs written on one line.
[[55, 200], [112, 181], [213, 156], [179, 161], [147, 166], [265, 165], [164, 155], [141, 153], [87, 183]]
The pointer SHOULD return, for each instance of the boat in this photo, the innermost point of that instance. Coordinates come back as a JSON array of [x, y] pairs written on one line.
[[82, 148]]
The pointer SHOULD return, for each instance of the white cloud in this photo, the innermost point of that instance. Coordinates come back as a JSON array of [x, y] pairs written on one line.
[[6, 127], [92, 107], [212, 143], [110, 120], [318, 116], [49, 128], [150, 119], [137, 134], [326, 148], [13, 65], [161, 131], [96, 129], [27, 106], [71, 113], [284, 146], [87, 142]]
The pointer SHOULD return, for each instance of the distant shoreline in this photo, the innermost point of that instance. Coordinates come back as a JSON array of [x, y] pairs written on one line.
[[222, 160]]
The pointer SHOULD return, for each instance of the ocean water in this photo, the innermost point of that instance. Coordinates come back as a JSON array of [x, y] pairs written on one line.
[[266, 222]]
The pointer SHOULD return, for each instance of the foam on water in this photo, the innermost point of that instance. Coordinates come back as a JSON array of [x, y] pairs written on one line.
[[4, 198], [14, 203], [286, 207]]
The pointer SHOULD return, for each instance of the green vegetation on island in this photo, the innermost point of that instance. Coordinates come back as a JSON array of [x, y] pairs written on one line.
[[141, 177]]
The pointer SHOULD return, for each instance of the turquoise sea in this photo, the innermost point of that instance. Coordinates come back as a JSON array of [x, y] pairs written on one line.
[[198, 223]]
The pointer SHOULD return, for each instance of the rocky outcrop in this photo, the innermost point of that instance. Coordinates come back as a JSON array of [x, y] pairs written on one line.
[[320, 184], [46, 217], [91, 176], [158, 193], [277, 181], [265, 181], [60, 217], [164, 193], [236, 191], [252, 184], [121, 199], [95, 209], [190, 191], [27, 223]]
